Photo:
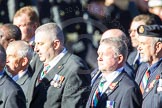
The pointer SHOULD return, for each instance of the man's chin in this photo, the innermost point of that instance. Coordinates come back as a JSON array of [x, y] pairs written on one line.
[[41, 59], [143, 60]]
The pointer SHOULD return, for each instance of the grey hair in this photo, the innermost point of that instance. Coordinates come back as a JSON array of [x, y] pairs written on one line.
[[118, 46], [155, 40], [52, 30], [24, 49]]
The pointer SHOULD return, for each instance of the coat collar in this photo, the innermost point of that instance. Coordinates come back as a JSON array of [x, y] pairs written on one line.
[[114, 84], [23, 79], [141, 71], [58, 67]]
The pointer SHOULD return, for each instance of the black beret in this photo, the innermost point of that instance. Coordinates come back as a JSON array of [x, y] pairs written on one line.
[[150, 30]]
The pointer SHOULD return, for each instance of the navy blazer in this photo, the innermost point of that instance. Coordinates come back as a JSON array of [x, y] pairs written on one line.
[[151, 98], [11, 95], [125, 94]]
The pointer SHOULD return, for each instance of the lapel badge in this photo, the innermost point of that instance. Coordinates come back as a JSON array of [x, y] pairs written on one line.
[[113, 85], [57, 81], [150, 86], [59, 67]]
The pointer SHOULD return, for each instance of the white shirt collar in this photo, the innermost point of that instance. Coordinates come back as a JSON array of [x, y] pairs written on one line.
[[110, 77], [57, 59]]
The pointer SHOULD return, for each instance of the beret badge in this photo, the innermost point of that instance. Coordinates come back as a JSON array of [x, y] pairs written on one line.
[[141, 29]]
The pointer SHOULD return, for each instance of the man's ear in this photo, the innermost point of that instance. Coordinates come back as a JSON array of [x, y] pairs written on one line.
[[158, 47], [24, 61], [120, 58], [56, 44]]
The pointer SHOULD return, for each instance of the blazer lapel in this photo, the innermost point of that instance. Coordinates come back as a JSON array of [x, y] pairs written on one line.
[[141, 73], [152, 80], [94, 87], [23, 79], [112, 87], [33, 82], [56, 69]]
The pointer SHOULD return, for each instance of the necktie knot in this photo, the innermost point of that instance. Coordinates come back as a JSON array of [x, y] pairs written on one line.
[[102, 82], [44, 72], [46, 67]]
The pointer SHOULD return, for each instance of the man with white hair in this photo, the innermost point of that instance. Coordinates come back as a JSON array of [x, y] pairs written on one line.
[[19, 55], [11, 95], [149, 72]]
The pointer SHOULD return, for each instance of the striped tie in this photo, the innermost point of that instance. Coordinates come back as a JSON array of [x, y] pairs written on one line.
[[144, 81], [44, 72], [98, 93]]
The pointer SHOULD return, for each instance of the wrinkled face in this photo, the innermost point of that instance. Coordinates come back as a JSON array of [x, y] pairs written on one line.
[[106, 58], [26, 27], [44, 47], [146, 49], [14, 63], [133, 32]]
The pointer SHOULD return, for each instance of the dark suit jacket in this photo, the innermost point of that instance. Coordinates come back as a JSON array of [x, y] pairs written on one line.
[[34, 63], [150, 96], [125, 94], [132, 58], [24, 81], [73, 92], [11, 95]]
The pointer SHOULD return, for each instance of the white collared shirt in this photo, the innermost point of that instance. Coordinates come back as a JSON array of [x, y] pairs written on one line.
[[110, 77], [57, 59], [19, 75]]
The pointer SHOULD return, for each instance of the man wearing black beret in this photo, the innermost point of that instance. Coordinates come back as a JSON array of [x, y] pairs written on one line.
[[149, 73]]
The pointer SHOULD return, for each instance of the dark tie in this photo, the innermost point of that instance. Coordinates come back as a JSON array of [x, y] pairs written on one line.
[[144, 81], [98, 93], [44, 72]]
